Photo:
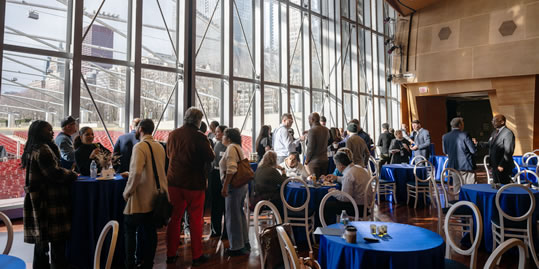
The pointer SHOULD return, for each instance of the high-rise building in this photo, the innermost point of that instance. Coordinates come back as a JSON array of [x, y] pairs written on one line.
[[99, 42]]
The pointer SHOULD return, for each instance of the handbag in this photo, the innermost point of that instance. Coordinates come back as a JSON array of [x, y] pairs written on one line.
[[162, 208], [244, 174]]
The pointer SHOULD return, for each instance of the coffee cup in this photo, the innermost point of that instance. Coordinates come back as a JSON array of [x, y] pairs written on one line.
[[350, 234]]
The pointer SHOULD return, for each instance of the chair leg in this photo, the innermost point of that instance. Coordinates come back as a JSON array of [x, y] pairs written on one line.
[[415, 198], [532, 249], [378, 196], [407, 195], [308, 236], [394, 192]]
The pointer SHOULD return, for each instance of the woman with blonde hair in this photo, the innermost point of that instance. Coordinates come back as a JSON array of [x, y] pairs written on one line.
[[268, 180]]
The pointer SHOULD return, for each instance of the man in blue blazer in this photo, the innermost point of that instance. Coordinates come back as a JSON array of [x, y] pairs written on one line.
[[501, 147], [124, 147], [421, 137], [459, 148]]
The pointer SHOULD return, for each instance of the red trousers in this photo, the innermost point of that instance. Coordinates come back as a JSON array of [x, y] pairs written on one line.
[[193, 201]]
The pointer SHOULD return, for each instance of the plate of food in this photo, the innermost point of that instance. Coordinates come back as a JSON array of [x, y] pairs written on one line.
[[329, 184], [105, 178]]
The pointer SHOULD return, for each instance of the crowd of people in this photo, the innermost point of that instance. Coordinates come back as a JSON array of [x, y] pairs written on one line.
[[195, 163]]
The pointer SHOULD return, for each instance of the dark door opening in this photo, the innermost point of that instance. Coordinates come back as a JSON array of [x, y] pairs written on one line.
[[477, 114]]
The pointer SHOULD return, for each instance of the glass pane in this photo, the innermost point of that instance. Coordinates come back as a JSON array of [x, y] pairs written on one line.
[[360, 12], [347, 57], [381, 66], [243, 38], [368, 61], [107, 36], [375, 78], [318, 102], [28, 24], [209, 49], [380, 14], [107, 85], [295, 47], [156, 89], [296, 104], [315, 5], [348, 106], [362, 61], [157, 48], [367, 12], [271, 40], [243, 112], [271, 107], [316, 63], [209, 90]]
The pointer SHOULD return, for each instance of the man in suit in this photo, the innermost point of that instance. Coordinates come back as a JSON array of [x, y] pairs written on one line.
[[459, 148], [124, 147], [316, 157], [421, 138], [501, 147]]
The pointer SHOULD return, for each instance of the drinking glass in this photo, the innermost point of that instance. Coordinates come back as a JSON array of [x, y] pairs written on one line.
[[373, 228]]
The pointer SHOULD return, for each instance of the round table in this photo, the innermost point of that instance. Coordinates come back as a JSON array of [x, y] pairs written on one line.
[[95, 202], [11, 262], [405, 246], [513, 201], [295, 195], [401, 174]]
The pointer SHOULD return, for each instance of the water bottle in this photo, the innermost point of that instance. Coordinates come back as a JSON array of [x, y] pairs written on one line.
[[93, 169], [344, 218]]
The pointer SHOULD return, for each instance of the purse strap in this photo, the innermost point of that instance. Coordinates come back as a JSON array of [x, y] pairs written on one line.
[[156, 177], [239, 156]]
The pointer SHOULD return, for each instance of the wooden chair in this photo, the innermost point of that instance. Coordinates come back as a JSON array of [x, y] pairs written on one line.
[[9, 227], [336, 193], [450, 244], [299, 216], [97, 257], [258, 230], [420, 186], [289, 250], [496, 255], [515, 227]]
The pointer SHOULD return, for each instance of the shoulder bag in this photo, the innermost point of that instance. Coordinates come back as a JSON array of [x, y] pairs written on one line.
[[162, 208], [244, 173]]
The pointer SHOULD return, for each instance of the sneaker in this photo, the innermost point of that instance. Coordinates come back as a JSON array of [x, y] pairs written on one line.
[[172, 259], [239, 252], [201, 260]]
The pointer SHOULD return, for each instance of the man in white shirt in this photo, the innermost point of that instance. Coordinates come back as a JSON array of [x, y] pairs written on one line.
[[283, 142], [293, 167]]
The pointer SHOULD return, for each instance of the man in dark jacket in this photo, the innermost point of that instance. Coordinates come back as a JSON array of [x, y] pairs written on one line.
[[316, 157], [459, 148], [189, 154], [383, 142], [501, 147], [124, 147]]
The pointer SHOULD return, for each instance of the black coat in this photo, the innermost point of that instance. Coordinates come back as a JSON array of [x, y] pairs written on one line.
[[501, 148]]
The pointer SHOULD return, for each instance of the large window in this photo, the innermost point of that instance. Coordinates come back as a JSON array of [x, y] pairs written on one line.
[[243, 62]]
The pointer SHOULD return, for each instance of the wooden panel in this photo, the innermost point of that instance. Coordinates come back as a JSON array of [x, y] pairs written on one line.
[[532, 20], [433, 116], [536, 115], [446, 65], [474, 31]]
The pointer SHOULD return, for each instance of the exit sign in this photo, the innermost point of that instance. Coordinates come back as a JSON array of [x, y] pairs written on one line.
[[423, 89]]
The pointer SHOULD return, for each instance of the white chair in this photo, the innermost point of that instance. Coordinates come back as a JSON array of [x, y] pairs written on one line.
[[527, 157], [336, 193], [450, 244], [515, 227], [9, 227], [420, 186], [288, 249], [299, 216], [496, 255], [386, 187], [488, 170], [258, 229], [462, 220], [518, 170], [369, 195], [97, 257], [527, 174], [372, 166], [417, 159]]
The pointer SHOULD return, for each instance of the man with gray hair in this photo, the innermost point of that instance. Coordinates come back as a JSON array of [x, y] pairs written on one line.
[[189, 153], [459, 148]]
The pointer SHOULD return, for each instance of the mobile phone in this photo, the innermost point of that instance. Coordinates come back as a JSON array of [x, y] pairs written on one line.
[[371, 240]]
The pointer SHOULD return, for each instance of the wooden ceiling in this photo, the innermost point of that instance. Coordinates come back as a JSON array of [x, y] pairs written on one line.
[[400, 5]]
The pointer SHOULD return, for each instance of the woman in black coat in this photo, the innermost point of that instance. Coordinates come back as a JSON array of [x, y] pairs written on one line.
[[86, 151]]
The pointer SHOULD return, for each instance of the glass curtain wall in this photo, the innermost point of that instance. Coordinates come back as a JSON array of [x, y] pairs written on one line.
[[108, 62]]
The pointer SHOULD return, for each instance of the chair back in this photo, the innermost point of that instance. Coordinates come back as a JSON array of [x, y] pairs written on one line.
[[373, 166], [450, 244], [504, 247], [527, 174], [528, 157], [487, 169], [451, 187], [430, 171], [287, 206], [336, 193], [518, 170], [258, 230], [97, 257], [417, 159], [437, 201], [369, 195], [9, 227], [526, 216], [288, 249]]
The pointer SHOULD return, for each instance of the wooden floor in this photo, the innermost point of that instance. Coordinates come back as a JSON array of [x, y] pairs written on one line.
[[423, 217]]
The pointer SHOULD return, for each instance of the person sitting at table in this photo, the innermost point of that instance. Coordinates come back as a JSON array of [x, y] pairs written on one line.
[[350, 156], [400, 149], [293, 167], [49, 184], [335, 138], [263, 141], [86, 151], [354, 181], [268, 180]]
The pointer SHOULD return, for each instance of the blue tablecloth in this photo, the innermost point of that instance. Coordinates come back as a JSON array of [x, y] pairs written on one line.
[[432, 152], [438, 162], [521, 162], [11, 262], [401, 174], [254, 166], [406, 246], [331, 165], [95, 202], [513, 201], [532, 168]]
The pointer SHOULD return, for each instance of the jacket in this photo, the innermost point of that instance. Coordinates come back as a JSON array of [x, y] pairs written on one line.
[[124, 148], [317, 143], [359, 150], [422, 141], [501, 147], [459, 148], [190, 154]]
